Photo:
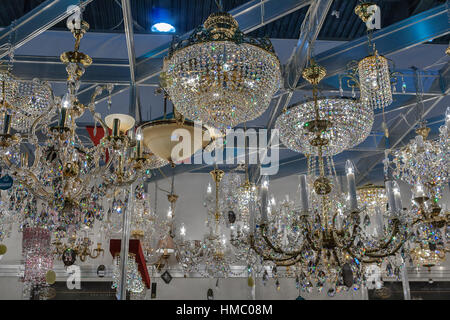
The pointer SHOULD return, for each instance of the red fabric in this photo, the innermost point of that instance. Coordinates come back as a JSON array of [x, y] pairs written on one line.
[[136, 248], [96, 138]]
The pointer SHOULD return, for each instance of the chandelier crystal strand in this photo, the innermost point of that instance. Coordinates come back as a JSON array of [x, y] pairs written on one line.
[[220, 77]]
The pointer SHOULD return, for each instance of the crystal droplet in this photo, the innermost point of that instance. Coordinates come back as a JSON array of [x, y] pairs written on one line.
[[353, 92], [250, 281], [366, 220], [389, 269], [265, 277], [347, 275]]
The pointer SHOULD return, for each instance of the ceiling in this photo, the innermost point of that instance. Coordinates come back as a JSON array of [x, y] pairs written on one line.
[[340, 40], [106, 16]]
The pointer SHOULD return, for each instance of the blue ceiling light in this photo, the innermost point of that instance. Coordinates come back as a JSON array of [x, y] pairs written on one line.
[[162, 27], [162, 21]]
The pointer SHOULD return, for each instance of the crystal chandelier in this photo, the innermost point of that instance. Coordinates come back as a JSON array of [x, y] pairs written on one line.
[[424, 163], [345, 122], [134, 281], [213, 256], [25, 101], [76, 247], [324, 236], [64, 174], [220, 77], [38, 258], [373, 71]]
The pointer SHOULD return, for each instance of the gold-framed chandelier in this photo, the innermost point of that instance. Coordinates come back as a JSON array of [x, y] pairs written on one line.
[[81, 248], [64, 174], [324, 237], [345, 122], [219, 76]]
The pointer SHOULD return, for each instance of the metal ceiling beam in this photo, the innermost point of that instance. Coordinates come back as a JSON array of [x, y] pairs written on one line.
[[311, 26], [134, 107], [250, 16], [36, 21], [392, 39], [51, 69]]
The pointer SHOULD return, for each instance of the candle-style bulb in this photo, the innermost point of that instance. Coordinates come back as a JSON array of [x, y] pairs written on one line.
[[447, 117], [138, 143], [116, 126], [350, 169], [66, 101], [303, 194], [397, 196], [264, 198], [391, 197]]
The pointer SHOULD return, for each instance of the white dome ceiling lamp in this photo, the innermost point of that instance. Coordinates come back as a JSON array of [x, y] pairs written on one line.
[[162, 137]]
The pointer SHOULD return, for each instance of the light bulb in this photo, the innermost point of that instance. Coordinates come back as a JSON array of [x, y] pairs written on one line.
[[349, 167], [66, 101], [139, 134], [183, 230]]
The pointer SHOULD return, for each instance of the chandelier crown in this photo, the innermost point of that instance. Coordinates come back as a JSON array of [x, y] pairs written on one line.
[[362, 12], [314, 73], [221, 25]]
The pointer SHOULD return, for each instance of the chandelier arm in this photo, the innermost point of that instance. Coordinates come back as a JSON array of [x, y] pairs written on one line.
[[82, 257], [37, 156], [384, 255], [262, 254], [336, 257], [352, 238], [298, 259], [44, 114], [30, 174], [96, 255], [35, 192], [313, 245], [395, 231], [275, 248]]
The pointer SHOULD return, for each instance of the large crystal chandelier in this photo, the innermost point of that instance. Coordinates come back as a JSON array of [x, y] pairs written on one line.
[[219, 76], [345, 121], [64, 174], [324, 237]]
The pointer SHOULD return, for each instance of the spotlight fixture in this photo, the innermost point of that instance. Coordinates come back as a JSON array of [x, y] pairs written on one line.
[[163, 27]]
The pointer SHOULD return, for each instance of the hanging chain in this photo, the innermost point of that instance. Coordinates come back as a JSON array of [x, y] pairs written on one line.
[[11, 48]]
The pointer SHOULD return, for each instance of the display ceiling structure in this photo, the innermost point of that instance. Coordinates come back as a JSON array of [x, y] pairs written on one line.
[[410, 35]]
